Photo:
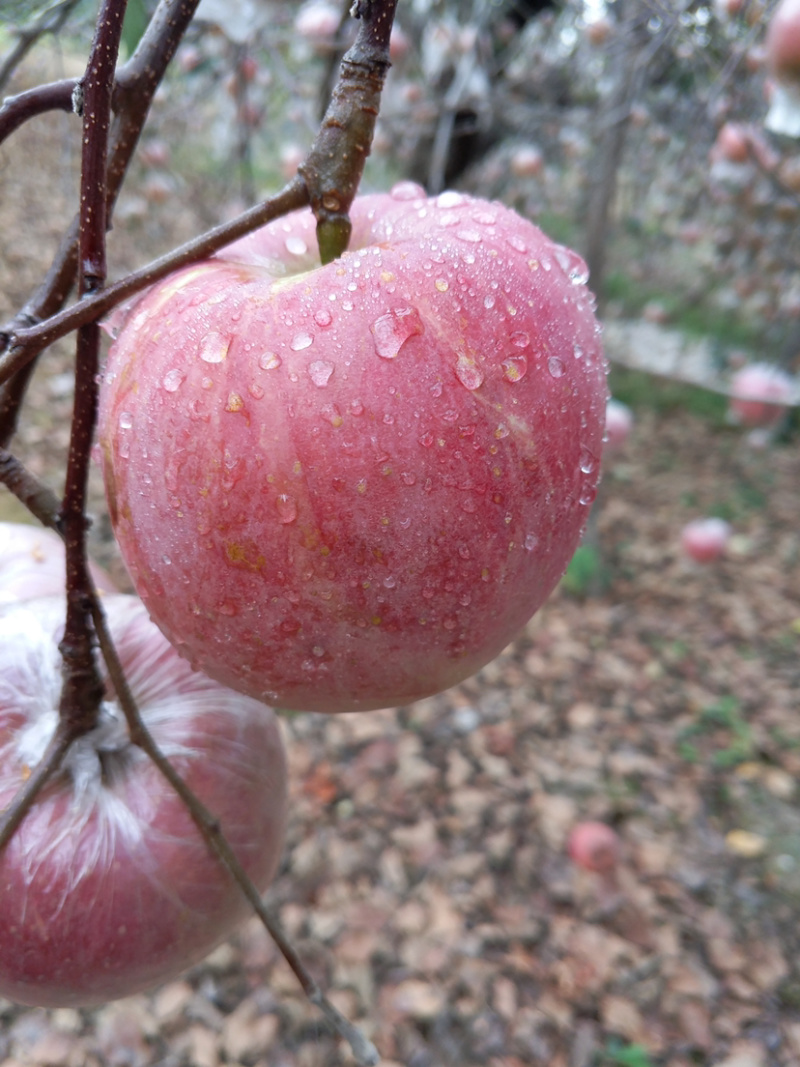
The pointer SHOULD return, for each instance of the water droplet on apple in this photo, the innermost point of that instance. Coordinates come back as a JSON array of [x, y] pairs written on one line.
[[450, 623], [515, 367], [320, 372], [296, 245], [173, 379], [286, 508], [227, 608], [318, 651], [214, 348], [485, 218], [323, 317], [450, 198], [408, 477], [555, 366], [448, 218], [520, 339], [588, 461], [516, 243], [301, 341], [577, 351], [501, 431], [356, 407], [471, 236], [588, 494], [442, 285], [531, 541], [390, 582], [468, 373], [572, 264], [125, 420], [391, 331], [426, 440], [488, 302], [406, 191], [234, 402], [469, 505]]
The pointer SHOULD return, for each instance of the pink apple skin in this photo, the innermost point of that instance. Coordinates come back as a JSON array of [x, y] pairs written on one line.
[[705, 540], [349, 487], [760, 394], [107, 888], [33, 564]]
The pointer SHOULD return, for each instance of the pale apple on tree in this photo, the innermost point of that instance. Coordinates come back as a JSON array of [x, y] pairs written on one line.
[[347, 487], [33, 564], [107, 887]]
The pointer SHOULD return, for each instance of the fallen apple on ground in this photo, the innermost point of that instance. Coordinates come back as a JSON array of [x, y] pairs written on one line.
[[346, 487], [107, 887]]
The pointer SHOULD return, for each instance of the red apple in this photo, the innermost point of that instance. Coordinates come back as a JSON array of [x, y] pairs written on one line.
[[347, 487], [705, 540], [33, 564], [761, 394], [107, 887]]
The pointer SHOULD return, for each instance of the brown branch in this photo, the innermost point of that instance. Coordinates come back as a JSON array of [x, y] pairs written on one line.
[[15, 110], [82, 690], [37, 497], [333, 168]]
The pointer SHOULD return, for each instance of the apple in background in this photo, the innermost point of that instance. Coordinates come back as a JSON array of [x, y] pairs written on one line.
[[761, 394], [348, 487], [33, 564], [526, 161], [705, 540], [782, 47], [594, 846], [107, 888], [619, 423]]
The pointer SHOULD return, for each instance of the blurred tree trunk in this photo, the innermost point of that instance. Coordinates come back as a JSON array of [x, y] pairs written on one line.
[[629, 53]]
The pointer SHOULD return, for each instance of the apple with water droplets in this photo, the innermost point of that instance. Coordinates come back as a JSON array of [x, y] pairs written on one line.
[[107, 887], [349, 486]]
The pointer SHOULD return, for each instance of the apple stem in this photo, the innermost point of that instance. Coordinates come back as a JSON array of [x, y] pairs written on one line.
[[364, 1051], [333, 168]]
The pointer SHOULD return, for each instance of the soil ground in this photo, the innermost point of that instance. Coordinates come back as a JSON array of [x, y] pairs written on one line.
[[425, 877]]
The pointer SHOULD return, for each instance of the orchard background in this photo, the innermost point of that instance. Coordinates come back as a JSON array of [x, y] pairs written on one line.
[[426, 877]]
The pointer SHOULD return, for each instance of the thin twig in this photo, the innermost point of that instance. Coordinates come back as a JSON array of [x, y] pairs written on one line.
[[15, 110], [41, 774], [37, 497], [25, 343], [364, 1051]]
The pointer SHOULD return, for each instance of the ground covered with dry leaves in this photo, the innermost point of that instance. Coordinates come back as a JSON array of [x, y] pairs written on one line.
[[425, 877]]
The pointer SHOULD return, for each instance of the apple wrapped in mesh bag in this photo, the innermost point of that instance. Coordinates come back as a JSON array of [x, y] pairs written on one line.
[[349, 486], [106, 887]]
